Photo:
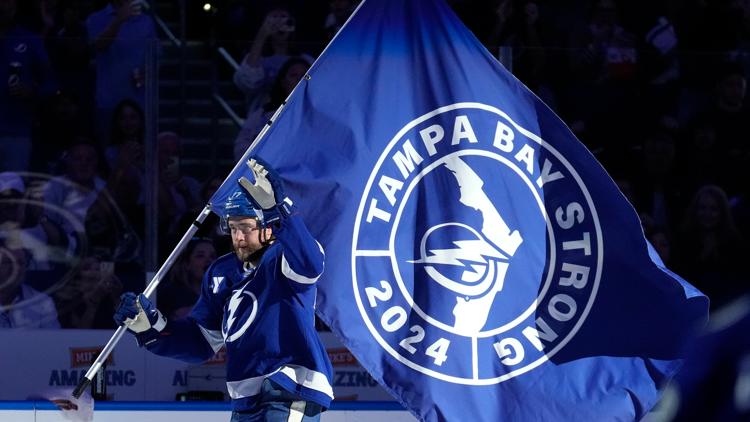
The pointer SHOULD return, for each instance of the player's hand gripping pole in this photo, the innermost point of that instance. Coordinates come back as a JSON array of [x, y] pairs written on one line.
[[152, 285]]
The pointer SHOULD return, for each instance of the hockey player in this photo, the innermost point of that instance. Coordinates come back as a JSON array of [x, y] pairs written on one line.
[[259, 303]]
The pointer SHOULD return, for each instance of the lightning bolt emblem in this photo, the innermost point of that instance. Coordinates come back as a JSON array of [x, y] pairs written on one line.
[[467, 250], [472, 253], [234, 303]]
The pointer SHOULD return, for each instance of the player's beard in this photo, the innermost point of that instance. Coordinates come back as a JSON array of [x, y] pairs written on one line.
[[250, 254], [244, 254]]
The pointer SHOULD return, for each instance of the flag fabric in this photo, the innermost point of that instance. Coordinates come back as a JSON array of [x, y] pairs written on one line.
[[480, 263]]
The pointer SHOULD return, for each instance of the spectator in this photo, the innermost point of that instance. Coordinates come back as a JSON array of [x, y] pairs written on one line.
[[729, 108], [68, 45], [603, 65], [729, 116], [660, 192], [659, 238], [272, 46], [210, 187], [46, 12], [88, 299], [120, 35], [178, 295], [623, 178], [21, 306], [62, 119], [110, 233], [660, 68], [178, 194], [521, 25], [21, 213], [25, 68], [289, 75], [210, 229], [113, 231], [701, 159], [71, 194], [12, 189], [711, 250], [340, 10], [126, 160], [127, 128], [606, 50]]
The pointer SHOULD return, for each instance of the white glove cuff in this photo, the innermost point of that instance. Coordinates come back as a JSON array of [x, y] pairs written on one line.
[[141, 323]]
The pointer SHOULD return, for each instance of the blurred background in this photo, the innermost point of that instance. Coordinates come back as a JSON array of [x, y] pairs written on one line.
[[119, 119]]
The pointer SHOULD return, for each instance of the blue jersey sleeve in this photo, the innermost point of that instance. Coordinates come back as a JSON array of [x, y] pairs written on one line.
[[195, 338], [182, 339], [302, 258], [208, 310]]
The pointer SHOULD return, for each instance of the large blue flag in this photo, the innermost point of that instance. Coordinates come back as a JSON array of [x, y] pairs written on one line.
[[480, 263]]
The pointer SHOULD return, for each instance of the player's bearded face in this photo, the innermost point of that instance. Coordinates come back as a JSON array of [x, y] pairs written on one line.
[[245, 236]]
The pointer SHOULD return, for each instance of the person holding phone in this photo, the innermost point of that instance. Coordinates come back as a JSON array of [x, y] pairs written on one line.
[[271, 47], [120, 34], [179, 194]]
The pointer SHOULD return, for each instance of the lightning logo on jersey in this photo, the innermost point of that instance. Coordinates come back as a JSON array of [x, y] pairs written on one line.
[[242, 306]]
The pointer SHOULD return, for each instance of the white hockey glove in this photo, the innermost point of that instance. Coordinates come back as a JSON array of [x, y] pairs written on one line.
[[140, 317], [267, 191]]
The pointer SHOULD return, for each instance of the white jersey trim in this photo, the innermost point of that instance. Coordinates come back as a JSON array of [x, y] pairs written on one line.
[[290, 274], [213, 337], [308, 378], [299, 374], [161, 322]]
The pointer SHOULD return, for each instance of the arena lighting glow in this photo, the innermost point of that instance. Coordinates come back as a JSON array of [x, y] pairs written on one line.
[[207, 7]]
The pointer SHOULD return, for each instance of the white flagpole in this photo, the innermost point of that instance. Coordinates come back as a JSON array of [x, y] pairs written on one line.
[[154, 283]]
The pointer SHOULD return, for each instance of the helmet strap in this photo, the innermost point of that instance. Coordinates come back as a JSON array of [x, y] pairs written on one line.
[[264, 239]]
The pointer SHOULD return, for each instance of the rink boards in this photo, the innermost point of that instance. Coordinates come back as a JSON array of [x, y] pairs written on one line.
[[39, 411]]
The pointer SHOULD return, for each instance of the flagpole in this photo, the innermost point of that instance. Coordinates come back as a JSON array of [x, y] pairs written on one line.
[[154, 283]]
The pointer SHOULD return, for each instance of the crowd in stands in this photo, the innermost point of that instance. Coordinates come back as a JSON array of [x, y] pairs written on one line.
[[71, 159], [657, 90]]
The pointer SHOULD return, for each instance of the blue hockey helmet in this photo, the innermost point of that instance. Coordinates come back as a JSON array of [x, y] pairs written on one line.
[[239, 204]]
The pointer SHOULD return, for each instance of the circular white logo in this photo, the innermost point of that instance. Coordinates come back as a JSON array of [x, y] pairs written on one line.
[[477, 249]]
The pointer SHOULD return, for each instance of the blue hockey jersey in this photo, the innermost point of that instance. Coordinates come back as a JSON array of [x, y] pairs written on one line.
[[265, 316]]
